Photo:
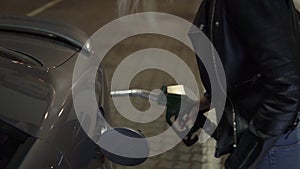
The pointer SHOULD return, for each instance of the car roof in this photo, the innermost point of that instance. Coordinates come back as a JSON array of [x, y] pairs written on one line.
[[43, 27], [49, 42]]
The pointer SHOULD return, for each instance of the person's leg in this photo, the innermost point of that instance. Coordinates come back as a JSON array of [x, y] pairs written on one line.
[[266, 163], [285, 153]]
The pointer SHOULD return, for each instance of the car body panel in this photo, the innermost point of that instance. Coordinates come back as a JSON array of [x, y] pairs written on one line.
[[41, 155], [38, 100], [49, 52], [47, 28]]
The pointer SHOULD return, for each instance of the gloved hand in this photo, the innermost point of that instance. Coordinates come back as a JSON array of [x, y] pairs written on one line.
[[185, 113]]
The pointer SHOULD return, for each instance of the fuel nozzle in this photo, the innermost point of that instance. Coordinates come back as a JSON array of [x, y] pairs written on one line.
[[181, 109]]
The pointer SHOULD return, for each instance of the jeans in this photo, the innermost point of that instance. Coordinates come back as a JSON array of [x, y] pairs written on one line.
[[285, 154]]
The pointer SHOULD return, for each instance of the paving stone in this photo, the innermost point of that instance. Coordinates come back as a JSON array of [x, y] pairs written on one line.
[[182, 165], [185, 157], [199, 158], [165, 164], [196, 165], [168, 156]]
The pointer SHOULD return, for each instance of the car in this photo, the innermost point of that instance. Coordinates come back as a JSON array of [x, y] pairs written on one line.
[[39, 127]]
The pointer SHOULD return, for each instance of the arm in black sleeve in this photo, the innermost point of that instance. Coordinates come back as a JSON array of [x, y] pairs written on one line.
[[266, 28]]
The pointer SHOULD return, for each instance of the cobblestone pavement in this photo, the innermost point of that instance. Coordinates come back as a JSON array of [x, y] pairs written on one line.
[[90, 15], [181, 157]]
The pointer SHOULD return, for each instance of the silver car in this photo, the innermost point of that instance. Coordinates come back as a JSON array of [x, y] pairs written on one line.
[[38, 124]]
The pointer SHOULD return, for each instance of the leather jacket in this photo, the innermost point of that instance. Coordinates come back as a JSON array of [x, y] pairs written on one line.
[[258, 44]]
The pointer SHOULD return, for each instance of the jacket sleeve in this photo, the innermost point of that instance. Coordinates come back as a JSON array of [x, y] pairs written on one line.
[[269, 32]]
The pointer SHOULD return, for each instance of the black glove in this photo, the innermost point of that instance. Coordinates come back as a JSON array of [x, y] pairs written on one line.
[[174, 104]]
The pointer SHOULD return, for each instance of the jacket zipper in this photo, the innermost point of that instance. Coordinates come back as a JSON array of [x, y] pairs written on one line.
[[216, 70], [251, 80]]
